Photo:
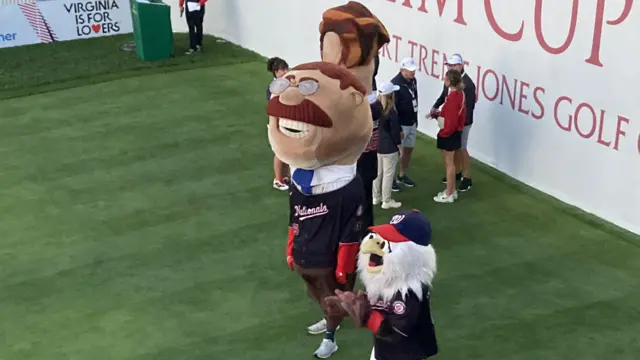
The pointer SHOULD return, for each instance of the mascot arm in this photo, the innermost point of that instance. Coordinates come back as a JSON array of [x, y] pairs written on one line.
[[398, 322], [349, 244], [291, 235]]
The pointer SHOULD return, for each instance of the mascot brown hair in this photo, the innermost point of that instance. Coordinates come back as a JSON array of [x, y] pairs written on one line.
[[350, 35]]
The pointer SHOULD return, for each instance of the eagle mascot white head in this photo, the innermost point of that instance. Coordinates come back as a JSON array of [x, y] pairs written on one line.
[[397, 257]]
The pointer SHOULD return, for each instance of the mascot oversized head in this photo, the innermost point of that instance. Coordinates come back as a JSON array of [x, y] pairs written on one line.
[[318, 116], [397, 257], [350, 36]]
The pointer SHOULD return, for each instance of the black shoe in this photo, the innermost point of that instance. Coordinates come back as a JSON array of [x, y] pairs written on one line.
[[404, 180], [395, 187], [465, 184], [458, 178]]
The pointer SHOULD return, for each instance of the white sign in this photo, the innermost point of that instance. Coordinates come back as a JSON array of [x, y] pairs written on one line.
[[556, 81], [59, 20]]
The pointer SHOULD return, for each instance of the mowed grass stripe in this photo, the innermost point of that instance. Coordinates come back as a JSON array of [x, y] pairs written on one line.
[[117, 194]]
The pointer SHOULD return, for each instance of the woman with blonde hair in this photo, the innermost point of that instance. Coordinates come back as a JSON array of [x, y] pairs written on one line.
[[389, 146], [451, 121]]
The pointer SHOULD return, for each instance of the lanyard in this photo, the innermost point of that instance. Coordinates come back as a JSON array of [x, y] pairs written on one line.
[[410, 88]]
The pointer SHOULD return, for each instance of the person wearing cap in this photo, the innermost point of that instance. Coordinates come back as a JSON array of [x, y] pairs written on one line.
[[461, 157], [407, 107], [389, 147]]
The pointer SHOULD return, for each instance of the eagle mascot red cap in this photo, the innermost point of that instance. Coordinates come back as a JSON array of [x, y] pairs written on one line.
[[320, 123], [396, 264]]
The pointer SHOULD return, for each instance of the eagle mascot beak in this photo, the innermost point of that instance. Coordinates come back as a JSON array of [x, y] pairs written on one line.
[[397, 256], [373, 248]]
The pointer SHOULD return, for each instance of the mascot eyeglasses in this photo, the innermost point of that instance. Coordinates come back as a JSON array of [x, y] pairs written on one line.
[[305, 86]]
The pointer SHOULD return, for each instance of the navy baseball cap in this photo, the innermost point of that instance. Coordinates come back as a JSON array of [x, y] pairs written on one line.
[[406, 226]]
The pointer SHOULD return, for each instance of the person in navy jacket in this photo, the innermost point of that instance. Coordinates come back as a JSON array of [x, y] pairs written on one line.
[[389, 147], [407, 107]]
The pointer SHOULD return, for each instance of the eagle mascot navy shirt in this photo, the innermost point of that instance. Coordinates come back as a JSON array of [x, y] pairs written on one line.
[[407, 331]]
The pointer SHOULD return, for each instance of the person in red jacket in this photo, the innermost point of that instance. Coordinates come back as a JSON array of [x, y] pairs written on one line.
[[451, 119], [195, 18]]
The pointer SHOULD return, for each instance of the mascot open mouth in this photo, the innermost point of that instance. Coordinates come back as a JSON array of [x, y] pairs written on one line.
[[292, 128], [375, 260]]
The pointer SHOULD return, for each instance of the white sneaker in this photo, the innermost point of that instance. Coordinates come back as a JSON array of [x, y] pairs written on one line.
[[326, 349], [443, 198], [319, 328], [280, 186], [376, 201], [392, 204], [444, 193]]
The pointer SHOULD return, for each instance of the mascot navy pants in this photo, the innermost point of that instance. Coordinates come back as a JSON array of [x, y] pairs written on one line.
[[196, 32], [322, 283]]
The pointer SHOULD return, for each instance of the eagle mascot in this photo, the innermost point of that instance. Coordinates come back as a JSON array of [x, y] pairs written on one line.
[[396, 264]]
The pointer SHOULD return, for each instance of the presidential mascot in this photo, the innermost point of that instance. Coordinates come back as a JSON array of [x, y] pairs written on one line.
[[320, 123], [396, 264]]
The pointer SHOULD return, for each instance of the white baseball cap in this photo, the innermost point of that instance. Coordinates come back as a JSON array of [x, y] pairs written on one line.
[[387, 88], [455, 59], [408, 64]]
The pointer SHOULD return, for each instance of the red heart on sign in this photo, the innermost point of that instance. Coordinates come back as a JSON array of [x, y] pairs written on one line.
[[96, 27]]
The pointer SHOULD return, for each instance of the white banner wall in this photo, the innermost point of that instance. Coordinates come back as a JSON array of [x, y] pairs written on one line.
[[556, 104], [31, 22]]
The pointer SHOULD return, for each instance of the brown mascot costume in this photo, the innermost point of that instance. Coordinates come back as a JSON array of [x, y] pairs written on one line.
[[320, 123]]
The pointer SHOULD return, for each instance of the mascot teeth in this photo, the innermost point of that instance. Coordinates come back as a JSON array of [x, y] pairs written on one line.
[[292, 128]]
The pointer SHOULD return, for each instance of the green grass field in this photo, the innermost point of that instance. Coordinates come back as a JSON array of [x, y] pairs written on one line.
[[139, 222]]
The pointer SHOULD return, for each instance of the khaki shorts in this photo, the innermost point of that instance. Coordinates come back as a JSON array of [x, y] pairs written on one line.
[[410, 133], [465, 136]]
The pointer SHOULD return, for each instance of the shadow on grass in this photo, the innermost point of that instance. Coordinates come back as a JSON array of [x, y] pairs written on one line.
[[40, 68]]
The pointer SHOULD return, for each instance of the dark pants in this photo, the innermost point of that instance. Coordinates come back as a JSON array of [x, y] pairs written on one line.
[[367, 168], [322, 283], [194, 22]]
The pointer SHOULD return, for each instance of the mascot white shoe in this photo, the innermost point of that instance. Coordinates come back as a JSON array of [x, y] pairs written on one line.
[[396, 265]]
